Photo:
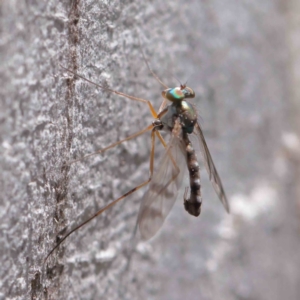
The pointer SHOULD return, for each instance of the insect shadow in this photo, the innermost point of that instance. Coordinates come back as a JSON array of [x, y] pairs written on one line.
[[179, 118]]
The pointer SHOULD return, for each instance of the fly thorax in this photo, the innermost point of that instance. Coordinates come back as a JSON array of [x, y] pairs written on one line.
[[187, 115], [182, 110]]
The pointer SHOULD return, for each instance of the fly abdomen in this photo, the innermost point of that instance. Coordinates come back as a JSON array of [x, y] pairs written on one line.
[[192, 204]]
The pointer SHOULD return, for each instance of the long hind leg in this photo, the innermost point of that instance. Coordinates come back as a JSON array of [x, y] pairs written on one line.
[[115, 201], [150, 127], [152, 110]]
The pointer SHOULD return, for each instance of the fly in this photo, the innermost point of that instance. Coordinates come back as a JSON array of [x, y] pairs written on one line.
[[179, 118]]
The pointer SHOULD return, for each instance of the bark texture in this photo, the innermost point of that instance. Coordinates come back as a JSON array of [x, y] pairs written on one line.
[[242, 59]]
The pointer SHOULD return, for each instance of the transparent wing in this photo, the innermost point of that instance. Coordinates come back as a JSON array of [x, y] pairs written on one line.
[[210, 167], [163, 189]]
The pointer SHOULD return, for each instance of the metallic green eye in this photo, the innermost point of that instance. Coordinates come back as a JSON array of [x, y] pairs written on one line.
[[177, 94], [174, 94]]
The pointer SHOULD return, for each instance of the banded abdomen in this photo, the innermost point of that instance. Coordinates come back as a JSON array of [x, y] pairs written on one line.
[[192, 204]]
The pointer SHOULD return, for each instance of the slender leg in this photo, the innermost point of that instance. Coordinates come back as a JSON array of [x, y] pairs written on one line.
[[163, 105], [175, 132], [115, 201], [161, 138], [114, 144], [165, 144], [152, 110]]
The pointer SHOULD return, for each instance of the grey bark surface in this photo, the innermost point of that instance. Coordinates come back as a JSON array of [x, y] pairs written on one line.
[[241, 58]]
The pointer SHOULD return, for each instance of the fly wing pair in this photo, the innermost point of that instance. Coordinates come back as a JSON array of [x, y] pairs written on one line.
[[166, 182]]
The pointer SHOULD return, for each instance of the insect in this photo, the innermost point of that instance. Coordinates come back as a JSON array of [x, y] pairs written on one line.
[[178, 117]]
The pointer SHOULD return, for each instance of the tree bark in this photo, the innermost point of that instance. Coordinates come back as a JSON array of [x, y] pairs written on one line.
[[240, 58]]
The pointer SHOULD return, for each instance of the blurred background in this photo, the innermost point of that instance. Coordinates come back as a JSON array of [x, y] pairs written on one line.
[[242, 59]]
